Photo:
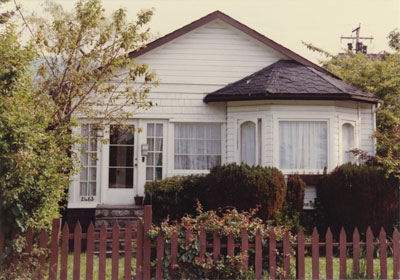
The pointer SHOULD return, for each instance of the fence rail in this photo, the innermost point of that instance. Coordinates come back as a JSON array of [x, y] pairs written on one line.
[[57, 260]]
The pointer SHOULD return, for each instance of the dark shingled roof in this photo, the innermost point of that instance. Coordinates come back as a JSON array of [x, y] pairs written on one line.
[[290, 80]]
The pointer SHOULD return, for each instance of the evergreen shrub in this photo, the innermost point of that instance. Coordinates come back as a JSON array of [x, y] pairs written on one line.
[[358, 196]]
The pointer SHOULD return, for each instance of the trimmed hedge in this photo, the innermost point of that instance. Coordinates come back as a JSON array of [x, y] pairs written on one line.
[[244, 188], [358, 196], [232, 185], [296, 189], [173, 196]]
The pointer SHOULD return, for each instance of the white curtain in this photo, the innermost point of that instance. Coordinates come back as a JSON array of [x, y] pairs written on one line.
[[347, 142], [197, 146], [248, 143], [303, 144]]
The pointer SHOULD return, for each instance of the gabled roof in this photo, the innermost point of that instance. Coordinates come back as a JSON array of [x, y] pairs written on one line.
[[227, 19], [288, 80]]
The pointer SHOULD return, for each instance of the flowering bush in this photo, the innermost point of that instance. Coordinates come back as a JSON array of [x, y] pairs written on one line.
[[190, 266]]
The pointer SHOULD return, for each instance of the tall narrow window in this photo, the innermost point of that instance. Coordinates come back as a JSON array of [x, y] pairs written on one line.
[[121, 165], [248, 143], [155, 155], [87, 178], [303, 144], [347, 142], [197, 146]]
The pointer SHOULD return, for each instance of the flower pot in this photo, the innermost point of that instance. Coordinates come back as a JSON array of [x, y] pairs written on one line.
[[138, 200]]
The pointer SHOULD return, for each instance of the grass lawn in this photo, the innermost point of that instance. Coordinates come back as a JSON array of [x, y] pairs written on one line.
[[96, 267], [308, 261]]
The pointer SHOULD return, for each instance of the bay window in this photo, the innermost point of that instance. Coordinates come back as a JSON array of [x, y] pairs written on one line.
[[197, 146], [303, 144]]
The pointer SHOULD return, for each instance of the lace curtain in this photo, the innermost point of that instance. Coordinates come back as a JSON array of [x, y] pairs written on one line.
[[248, 143]]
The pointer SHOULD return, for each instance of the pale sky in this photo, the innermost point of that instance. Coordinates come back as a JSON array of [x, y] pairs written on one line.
[[288, 22]]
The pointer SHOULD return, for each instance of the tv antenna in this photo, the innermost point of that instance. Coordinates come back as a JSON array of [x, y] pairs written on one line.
[[360, 47]]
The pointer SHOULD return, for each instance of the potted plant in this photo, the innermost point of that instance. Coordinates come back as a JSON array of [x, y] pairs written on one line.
[[138, 200]]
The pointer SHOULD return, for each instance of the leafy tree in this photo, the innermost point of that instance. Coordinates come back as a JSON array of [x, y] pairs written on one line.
[[378, 74], [75, 65]]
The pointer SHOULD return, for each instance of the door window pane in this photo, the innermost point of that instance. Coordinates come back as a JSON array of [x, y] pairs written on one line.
[[88, 173], [121, 161], [155, 140]]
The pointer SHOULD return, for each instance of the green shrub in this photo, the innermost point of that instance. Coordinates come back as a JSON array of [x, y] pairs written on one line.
[[173, 196], [358, 196], [296, 188], [244, 188], [232, 222]]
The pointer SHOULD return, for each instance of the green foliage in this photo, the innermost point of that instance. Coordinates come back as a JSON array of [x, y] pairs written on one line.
[[173, 196], [232, 222], [34, 170], [231, 185], [245, 188], [292, 208], [380, 75], [358, 196]]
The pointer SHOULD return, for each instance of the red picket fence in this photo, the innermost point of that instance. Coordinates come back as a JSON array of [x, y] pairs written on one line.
[[57, 259]]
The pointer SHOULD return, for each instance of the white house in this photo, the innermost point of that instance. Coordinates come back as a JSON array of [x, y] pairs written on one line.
[[227, 94]]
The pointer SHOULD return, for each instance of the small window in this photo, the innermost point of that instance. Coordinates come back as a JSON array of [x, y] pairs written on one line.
[[347, 142], [303, 144], [121, 163], [154, 161], [88, 175], [197, 146], [248, 145]]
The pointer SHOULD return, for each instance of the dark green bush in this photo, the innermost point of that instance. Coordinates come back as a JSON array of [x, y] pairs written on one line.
[[173, 196], [244, 187], [358, 196]]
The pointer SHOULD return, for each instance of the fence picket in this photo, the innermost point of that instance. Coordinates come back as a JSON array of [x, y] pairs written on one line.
[[174, 253], [64, 252], [146, 242], [370, 254], [115, 251], [160, 256], [286, 254], [216, 246], [258, 255], [188, 237], [245, 249], [231, 245], [383, 253], [89, 252], [128, 251], [54, 244], [356, 253], [102, 252], [315, 254], [2, 240], [139, 250], [29, 244], [272, 254], [396, 255], [300, 267], [203, 245], [77, 251], [343, 254], [329, 254], [43, 238]]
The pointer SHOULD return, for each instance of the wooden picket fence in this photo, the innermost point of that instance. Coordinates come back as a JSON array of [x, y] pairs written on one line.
[[57, 260]]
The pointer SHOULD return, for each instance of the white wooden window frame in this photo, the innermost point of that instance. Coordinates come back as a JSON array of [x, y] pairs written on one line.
[[355, 124], [304, 116], [171, 147]]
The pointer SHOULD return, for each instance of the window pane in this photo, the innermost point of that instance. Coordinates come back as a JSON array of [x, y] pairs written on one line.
[[122, 136], [84, 158], [195, 144], [248, 143], [303, 144], [158, 173], [121, 178], [121, 155], [159, 130], [149, 174], [92, 173], [158, 159], [150, 129], [347, 142], [84, 175], [92, 159], [92, 189], [83, 189]]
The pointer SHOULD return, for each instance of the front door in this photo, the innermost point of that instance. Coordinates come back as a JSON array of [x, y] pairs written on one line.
[[122, 165]]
